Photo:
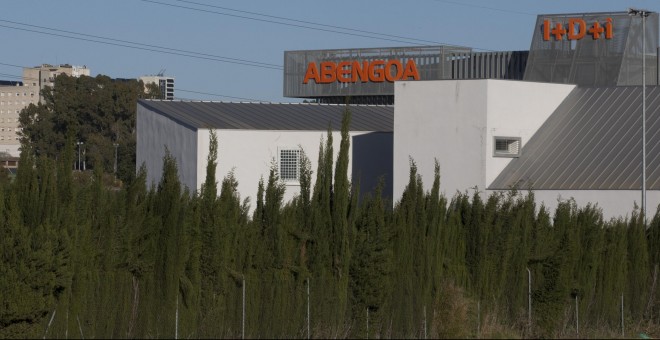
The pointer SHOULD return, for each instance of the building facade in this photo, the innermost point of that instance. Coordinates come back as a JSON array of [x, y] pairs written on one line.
[[16, 96], [253, 137], [563, 119], [165, 84], [561, 141]]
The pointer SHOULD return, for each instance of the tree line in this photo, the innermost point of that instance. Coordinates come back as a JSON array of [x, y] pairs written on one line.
[[100, 114], [81, 258]]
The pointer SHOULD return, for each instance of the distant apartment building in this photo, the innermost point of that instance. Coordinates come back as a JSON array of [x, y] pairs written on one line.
[[166, 85], [16, 95], [45, 74]]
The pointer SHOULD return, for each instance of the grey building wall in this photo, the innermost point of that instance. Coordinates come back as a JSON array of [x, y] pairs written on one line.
[[155, 134], [595, 62]]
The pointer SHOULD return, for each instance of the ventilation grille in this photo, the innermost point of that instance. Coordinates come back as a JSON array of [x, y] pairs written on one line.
[[289, 164], [507, 147]]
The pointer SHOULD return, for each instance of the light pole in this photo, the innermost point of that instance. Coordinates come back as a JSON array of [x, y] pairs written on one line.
[[115, 145], [642, 13], [79, 144]]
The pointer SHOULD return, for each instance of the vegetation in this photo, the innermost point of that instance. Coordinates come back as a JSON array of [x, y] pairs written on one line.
[[99, 112], [79, 259]]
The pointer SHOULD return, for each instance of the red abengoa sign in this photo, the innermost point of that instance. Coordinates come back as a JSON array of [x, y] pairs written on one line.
[[577, 29], [376, 71]]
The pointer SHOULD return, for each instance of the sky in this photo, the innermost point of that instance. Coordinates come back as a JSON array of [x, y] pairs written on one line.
[[238, 46]]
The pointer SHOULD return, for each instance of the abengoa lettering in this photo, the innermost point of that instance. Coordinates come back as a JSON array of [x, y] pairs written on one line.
[[576, 29], [376, 71]]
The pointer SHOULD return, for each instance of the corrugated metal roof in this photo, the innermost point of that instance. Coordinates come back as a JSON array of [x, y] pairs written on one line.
[[268, 116], [593, 141]]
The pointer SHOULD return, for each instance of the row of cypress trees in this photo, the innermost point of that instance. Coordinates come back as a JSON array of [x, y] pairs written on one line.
[[79, 259]]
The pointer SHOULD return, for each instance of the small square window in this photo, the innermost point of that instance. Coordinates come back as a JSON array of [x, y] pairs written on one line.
[[506, 147], [289, 164]]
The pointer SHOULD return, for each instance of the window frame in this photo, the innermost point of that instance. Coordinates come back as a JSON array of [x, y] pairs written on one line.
[[508, 153]]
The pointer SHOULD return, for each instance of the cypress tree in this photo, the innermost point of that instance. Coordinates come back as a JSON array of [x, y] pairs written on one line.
[[321, 258], [340, 227], [637, 267], [371, 265], [406, 214], [211, 241], [168, 209]]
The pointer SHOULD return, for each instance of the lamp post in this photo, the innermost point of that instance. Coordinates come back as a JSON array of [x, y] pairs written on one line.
[[115, 145], [79, 144], [642, 13]]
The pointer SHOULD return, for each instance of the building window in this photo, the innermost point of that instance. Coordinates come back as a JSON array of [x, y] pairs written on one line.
[[506, 147], [289, 164]]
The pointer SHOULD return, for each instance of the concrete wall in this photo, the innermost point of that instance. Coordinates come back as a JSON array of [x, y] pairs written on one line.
[[517, 109], [154, 133], [455, 121], [443, 120], [250, 153]]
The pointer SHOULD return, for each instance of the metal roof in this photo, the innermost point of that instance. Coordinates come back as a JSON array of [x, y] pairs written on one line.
[[593, 141], [269, 116]]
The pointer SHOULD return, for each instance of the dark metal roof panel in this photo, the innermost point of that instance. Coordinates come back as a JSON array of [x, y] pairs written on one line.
[[593, 141], [267, 116]]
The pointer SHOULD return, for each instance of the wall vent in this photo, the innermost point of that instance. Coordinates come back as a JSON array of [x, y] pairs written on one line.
[[506, 147]]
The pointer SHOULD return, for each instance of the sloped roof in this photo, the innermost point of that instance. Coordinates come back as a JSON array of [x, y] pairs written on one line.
[[268, 116], [593, 141]]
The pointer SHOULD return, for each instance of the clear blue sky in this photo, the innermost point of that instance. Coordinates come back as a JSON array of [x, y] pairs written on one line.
[[483, 24]]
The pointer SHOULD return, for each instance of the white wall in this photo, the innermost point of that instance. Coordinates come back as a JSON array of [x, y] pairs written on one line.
[[250, 153], [443, 120], [455, 121], [517, 109], [154, 133]]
